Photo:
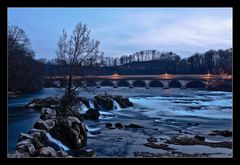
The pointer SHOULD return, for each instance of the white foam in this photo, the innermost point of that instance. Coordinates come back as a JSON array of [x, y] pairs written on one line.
[[159, 106], [91, 104], [116, 105]]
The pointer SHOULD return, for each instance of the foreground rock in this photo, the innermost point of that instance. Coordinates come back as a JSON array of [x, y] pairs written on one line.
[[196, 141], [172, 154], [41, 141], [71, 131], [107, 102], [225, 133], [43, 103], [123, 101], [92, 114]]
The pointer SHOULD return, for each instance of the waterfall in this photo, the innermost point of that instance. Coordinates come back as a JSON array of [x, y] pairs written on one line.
[[82, 108], [116, 105], [91, 104], [57, 142]]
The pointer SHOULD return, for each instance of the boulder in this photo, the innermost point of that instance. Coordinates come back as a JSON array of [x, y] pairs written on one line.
[[123, 101], [64, 154], [40, 103], [24, 136], [47, 152], [44, 125], [108, 124], [18, 154], [40, 135], [26, 146], [48, 113], [133, 126], [104, 101], [92, 114], [118, 125], [71, 131], [224, 133], [202, 138]]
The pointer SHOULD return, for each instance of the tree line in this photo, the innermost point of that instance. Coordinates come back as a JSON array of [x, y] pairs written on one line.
[[25, 74], [212, 61]]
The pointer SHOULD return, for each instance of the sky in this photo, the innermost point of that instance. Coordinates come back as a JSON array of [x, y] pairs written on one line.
[[123, 31]]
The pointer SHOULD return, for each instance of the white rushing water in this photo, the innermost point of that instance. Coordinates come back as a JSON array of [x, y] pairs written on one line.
[[116, 105], [212, 107], [82, 109], [91, 104], [59, 143]]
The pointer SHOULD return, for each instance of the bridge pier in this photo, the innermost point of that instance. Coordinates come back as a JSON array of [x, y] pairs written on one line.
[[183, 83], [115, 84], [130, 82], [84, 83], [147, 82], [165, 83], [98, 84]]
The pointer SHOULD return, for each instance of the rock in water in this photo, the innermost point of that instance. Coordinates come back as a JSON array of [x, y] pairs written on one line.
[[40, 103], [26, 146], [123, 101], [202, 138], [71, 131], [225, 133], [18, 154], [92, 114], [118, 125], [104, 101], [47, 152], [44, 125], [48, 113]]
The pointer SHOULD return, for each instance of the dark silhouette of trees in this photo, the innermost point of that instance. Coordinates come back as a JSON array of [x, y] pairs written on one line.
[[24, 73]]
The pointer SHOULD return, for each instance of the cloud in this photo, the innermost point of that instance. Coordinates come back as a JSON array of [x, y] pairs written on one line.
[[161, 31], [127, 30]]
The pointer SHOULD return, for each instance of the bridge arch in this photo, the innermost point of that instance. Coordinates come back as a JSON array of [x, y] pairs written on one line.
[[175, 84], [123, 83], [90, 83], [155, 83], [139, 83], [106, 83], [196, 84]]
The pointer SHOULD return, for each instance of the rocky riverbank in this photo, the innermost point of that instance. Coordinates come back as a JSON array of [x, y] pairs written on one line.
[[58, 134]]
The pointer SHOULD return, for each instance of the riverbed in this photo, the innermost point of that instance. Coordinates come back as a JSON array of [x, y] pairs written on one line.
[[163, 114]]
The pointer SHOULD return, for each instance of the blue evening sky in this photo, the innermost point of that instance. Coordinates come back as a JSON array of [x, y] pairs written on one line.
[[128, 30]]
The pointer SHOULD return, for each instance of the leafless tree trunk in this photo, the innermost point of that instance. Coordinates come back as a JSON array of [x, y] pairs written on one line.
[[75, 50]]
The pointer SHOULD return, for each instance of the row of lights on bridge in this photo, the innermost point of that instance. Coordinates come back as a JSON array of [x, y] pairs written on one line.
[[166, 76]]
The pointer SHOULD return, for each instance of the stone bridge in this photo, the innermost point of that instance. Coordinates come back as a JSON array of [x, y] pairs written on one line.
[[164, 80]]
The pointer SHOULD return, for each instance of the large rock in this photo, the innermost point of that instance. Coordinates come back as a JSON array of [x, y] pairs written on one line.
[[40, 135], [123, 101], [104, 101], [92, 114], [48, 113], [40, 103], [225, 133], [44, 125], [24, 136], [47, 152], [18, 154], [71, 131], [26, 146]]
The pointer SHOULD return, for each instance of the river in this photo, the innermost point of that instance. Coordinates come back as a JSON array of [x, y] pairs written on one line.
[[162, 112]]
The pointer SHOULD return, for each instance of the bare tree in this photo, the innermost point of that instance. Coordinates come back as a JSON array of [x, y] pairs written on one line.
[[74, 51]]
